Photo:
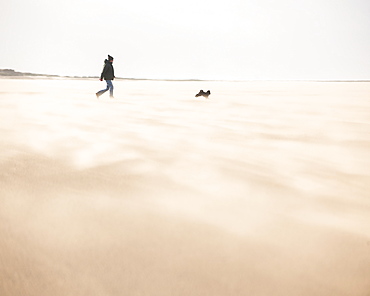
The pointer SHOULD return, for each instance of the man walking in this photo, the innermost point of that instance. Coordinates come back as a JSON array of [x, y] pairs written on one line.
[[108, 76]]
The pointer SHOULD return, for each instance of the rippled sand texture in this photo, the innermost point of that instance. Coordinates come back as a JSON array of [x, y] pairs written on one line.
[[263, 189]]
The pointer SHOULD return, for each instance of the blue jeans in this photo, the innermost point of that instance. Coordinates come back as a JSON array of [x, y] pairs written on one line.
[[109, 87]]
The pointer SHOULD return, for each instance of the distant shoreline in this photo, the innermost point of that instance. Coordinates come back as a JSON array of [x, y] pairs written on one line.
[[12, 74]]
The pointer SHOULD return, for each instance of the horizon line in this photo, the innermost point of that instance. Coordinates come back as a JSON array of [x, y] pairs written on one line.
[[13, 73]]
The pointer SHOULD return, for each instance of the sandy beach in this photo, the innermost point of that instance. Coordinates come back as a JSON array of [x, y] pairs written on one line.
[[263, 189]]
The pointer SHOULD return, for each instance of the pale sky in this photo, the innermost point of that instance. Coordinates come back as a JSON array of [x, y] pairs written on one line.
[[203, 39]]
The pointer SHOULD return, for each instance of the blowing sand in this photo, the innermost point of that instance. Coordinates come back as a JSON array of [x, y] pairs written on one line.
[[263, 189]]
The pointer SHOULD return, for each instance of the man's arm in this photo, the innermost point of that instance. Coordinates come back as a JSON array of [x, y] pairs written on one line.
[[103, 72]]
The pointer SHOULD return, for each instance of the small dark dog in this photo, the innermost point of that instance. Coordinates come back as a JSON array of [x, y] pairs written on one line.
[[204, 94]]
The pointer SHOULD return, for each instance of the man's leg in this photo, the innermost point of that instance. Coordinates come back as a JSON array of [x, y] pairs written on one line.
[[110, 86], [100, 92]]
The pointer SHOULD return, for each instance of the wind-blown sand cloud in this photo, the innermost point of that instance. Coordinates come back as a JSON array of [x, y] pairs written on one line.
[[263, 189]]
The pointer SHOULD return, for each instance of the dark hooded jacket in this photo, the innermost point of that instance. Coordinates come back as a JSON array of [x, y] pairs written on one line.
[[108, 71]]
